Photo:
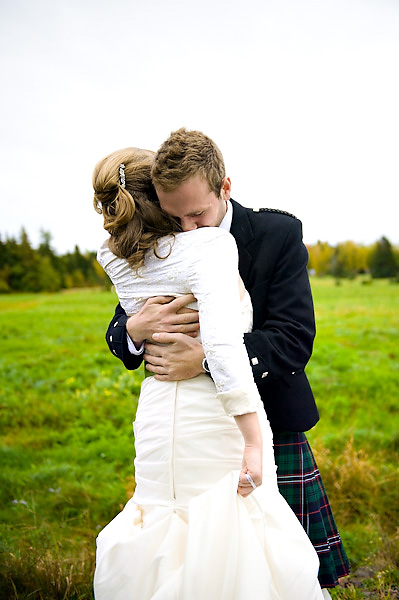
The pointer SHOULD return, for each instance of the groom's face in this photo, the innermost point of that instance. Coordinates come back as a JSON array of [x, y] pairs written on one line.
[[194, 205]]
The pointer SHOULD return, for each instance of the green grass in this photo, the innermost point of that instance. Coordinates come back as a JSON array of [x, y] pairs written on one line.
[[66, 406], [354, 372]]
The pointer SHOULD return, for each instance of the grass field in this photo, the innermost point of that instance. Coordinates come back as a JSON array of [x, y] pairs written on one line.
[[66, 406]]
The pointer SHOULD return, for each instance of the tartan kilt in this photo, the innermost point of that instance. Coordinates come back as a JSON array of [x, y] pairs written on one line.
[[300, 483]]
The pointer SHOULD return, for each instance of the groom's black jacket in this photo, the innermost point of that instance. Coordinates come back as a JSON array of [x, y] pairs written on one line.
[[273, 265]]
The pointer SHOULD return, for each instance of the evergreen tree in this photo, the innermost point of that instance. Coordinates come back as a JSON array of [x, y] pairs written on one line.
[[382, 260], [25, 269]]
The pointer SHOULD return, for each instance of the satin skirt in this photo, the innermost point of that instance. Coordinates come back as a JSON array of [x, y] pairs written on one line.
[[186, 534]]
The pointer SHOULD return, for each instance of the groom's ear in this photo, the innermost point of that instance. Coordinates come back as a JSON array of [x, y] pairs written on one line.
[[226, 188]]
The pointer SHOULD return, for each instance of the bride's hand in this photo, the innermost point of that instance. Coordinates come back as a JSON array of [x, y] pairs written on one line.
[[251, 472]]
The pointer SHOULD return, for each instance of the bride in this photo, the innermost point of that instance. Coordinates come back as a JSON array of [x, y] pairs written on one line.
[[186, 534]]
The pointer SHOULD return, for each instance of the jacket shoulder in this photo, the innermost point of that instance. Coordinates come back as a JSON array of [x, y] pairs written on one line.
[[275, 211], [249, 223]]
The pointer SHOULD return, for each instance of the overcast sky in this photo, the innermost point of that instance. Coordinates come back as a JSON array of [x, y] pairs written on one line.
[[301, 96]]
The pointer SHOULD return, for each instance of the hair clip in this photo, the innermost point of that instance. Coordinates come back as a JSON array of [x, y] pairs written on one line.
[[122, 177]]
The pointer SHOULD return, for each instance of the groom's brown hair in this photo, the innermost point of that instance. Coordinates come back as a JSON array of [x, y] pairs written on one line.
[[186, 154]]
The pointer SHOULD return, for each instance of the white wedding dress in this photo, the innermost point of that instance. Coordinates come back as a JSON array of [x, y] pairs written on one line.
[[186, 534]]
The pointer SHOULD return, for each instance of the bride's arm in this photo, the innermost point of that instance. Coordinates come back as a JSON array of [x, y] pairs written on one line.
[[249, 426], [213, 278]]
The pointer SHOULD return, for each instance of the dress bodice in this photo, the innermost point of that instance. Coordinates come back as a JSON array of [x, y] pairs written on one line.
[[203, 262]]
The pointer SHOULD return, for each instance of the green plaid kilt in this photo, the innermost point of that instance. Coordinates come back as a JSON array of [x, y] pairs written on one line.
[[300, 483]]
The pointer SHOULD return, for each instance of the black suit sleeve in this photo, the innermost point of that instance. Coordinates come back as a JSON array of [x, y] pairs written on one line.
[[117, 340], [281, 342]]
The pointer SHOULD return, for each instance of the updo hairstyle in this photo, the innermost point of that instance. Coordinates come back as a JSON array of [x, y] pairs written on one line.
[[125, 196]]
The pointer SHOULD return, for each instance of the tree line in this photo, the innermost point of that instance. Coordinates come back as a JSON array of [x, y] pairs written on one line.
[[27, 269], [348, 259]]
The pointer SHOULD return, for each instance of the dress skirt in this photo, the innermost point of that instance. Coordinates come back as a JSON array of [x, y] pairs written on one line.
[[186, 534]]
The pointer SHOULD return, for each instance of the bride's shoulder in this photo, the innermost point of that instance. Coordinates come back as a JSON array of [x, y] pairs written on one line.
[[206, 244], [209, 235], [104, 254], [108, 260]]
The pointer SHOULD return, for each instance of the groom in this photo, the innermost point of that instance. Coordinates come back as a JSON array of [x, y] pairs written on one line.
[[191, 184]]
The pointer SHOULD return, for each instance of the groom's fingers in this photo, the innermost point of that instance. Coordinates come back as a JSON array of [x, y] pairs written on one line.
[[157, 370], [179, 301], [183, 315], [179, 357], [170, 314], [175, 304], [186, 325], [160, 300], [182, 301], [188, 316], [164, 338], [154, 357]]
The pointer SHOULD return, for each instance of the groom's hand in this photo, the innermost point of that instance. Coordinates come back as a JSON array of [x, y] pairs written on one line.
[[180, 359], [163, 314]]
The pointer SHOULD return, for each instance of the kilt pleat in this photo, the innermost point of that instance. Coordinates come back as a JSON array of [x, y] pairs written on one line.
[[301, 485]]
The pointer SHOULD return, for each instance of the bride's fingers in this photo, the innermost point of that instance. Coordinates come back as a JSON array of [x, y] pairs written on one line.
[[250, 481], [244, 491], [244, 483], [247, 484]]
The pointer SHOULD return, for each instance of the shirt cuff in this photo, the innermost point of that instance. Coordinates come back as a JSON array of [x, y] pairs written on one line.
[[132, 347], [238, 402]]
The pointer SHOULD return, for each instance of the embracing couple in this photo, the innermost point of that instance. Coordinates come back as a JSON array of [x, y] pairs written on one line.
[[215, 298]]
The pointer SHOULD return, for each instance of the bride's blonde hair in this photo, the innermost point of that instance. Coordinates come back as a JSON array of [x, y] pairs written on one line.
[[126, 197]]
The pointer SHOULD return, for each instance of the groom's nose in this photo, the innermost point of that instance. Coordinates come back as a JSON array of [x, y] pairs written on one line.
[[188, 223]]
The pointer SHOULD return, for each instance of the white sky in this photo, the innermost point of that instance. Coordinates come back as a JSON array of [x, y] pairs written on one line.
[[302, 97]]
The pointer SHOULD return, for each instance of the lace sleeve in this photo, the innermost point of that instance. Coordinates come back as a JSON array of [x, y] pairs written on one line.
[[213, 279]]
